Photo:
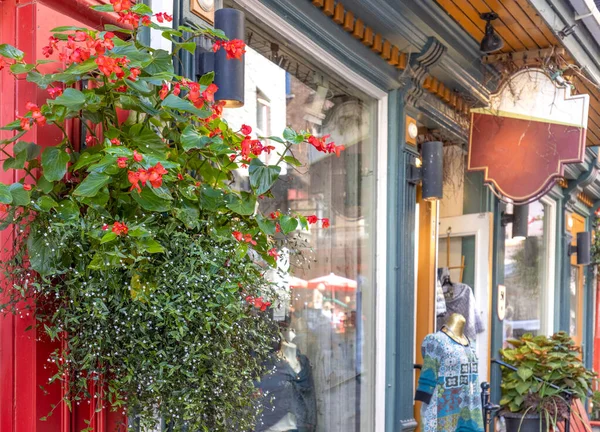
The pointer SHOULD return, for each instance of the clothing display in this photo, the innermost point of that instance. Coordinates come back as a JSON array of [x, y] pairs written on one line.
[[440, 301], [460, 299], [449, 386], [285, 392]]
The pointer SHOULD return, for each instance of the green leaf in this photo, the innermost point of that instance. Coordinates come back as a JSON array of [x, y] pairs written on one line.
[[524, 373], [82, 68], [68, 210], [289, 134], [46, 203], [150, 245], [41, 256], [142, 9], [86, 159], [43, 81], [19, 68], [147, 140], [267, 226], [191, 139], [108, 161], [207, 79], [30, 149], [288, 224], [63, 29], [11, 52], [103, 8], [162, 192], [161, 62], [54, 163], [71, 98], [523, 387], [262, 177], [149, 201], [189, 47], [90, 186], [212, 199], [108, 237], [17, 162], [292, 161], [5, 195], [140, 86], [44, 185], [176, 103], [244, 206], [120, 151], [274, 138], [20, 196], [114, 28]]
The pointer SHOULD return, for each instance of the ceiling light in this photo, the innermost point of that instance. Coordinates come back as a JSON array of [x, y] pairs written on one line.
[[491, 42]]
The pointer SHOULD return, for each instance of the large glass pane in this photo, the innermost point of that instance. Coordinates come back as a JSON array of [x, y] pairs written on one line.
[[525, 276], [574, 304], [323, 364]]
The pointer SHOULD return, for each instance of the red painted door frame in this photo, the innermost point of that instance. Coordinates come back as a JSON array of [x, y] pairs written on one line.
[[23, 354]]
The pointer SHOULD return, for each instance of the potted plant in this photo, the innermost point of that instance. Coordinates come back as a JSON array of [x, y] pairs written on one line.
[[534, 396], [141, 257]]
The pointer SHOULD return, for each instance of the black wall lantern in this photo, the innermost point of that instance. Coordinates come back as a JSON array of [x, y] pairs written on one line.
[[520, 221], [431, 171], [582, 248], [229, 73], [491, 41]]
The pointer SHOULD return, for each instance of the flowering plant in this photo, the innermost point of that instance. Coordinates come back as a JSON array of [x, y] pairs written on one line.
[[133, 244]]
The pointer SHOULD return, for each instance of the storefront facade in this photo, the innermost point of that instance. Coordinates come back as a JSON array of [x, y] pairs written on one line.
[[381, 77]]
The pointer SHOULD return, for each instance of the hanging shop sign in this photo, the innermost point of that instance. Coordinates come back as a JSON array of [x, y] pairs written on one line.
[[532, 128]]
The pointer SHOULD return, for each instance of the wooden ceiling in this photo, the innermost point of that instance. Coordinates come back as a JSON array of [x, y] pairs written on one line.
[[522, 29]]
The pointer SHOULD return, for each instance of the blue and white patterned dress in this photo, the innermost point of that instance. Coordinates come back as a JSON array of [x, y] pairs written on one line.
[[449, 386]]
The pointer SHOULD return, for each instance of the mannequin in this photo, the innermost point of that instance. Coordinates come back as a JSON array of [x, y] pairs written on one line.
[[289, 351], [455, 329], [449, 381]]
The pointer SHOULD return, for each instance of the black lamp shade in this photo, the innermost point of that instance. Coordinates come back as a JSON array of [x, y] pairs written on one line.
[[520, 221], [432, 153], [491, 42], [584, 243], [229, 73]]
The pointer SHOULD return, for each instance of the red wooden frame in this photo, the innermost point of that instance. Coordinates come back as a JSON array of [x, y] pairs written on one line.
[[23, 354]]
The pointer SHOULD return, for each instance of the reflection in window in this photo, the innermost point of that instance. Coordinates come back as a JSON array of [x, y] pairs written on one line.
[[526, 277], [323, 364], [574, 291]]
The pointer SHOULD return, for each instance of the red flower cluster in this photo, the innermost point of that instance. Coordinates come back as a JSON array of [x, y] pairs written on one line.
[[137, 157], [77, 54], [275, 215], [119, 5], [108, 65], [161, 17], [2, 63], [273, 253], [326, 147], [313, 219], [132, 19], [258, 303], [36, 115], [122, 162], [154, 175], [244, 237], [120, 228], [55, 92], [246, 130], [234, 49], [255, 147]]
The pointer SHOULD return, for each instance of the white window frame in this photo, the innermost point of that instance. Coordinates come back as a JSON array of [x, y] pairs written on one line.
[[547, 321], [329, 63]]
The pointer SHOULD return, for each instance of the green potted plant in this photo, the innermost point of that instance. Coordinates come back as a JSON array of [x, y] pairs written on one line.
[[141, 257], [533, 396]]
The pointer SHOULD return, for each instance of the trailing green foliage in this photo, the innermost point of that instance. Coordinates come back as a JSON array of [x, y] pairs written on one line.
[[141, 258]]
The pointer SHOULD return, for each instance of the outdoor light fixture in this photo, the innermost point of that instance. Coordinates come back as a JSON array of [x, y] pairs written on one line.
[[520, 221], [229, 73], [582, 248], [432, 170], [491, 41]]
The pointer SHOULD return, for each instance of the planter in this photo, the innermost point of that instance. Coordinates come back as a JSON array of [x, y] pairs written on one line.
[[595, 425], [516, 422]]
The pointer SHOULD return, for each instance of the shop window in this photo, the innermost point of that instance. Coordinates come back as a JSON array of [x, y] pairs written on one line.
[[528, 274], [326, 280]]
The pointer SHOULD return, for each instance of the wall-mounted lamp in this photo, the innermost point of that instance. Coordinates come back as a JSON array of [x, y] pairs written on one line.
[[491, 41], [430, 172], [520, 221], [582, 248], [229, 73]]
